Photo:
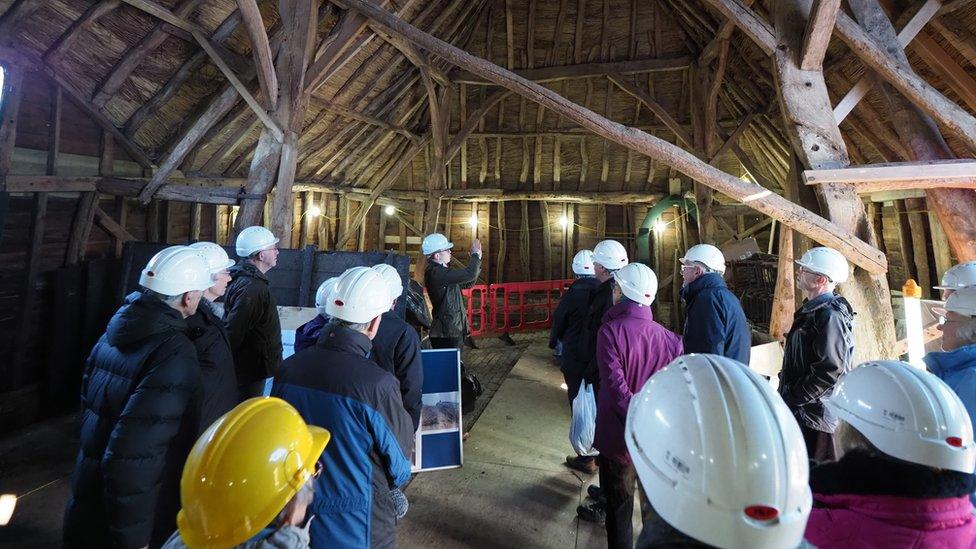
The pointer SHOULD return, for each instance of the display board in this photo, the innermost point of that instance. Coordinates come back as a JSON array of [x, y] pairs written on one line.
[[437, 444]]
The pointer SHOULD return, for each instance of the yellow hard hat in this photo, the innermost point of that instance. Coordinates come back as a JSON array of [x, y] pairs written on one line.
[[243, 470]]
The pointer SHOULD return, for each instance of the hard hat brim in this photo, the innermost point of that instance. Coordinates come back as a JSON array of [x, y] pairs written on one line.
[[320, 439]]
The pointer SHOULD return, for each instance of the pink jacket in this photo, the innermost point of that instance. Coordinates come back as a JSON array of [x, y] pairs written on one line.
[[890, 522]]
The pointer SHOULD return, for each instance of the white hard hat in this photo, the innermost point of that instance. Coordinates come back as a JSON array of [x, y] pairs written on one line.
[[215, 255], [323, 293], [254, 239], [360, 295], [176, 270], [707, 255], [962, 301], [906, 413], [826, 261], [611, 254], [638, 282], [393, 281], [583, 262], [434, 243], [959, 276], [719, 454]]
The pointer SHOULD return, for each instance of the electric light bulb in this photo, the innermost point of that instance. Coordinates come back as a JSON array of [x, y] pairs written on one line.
[[389, 210], [7, 504], [473, 221], [315, 211], [659, 226], [564, 221]]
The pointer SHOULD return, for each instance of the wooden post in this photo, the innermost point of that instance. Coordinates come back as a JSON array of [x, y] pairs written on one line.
[[546, 240], [502, 242], [195, 218], [152, 221], [940, 247], [525, 244], [905, 239], [22, 347], [919, 133], [9, 111], [920, 248]]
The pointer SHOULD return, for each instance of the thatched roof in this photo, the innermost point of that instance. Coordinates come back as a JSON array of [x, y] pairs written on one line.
[[380, 83]]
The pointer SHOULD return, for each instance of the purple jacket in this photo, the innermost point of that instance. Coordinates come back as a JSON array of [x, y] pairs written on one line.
[[630, 347]]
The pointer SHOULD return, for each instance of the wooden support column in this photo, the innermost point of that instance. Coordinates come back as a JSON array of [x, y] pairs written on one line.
[[905, 239], [87, 203], [817, 141], [546, 240], [920, 135], [920, 246], [9, 112], [195, 218], [300, 19], [502, 242]]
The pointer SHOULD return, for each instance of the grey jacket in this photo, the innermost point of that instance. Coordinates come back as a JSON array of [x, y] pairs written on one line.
[[286, 537]]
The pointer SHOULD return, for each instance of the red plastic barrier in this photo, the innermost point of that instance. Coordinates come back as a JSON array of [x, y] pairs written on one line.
[[513, 306]]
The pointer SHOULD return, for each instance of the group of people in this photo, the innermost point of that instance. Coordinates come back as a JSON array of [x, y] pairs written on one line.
[[179, 445], [721, 459]]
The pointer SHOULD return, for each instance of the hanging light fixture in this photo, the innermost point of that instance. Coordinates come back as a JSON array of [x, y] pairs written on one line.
[[389, 210], [563, 221], [473, 221], [314, 211], [659, 226]]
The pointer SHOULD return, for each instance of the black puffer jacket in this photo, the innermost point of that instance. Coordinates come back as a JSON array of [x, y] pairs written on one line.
[[568, 323], [444, 288], [220, 392], [251, 317], [396, 348], [140, 401], [818, 351], [600, 302]]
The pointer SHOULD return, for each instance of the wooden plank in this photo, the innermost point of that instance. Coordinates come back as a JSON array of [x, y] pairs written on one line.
[[905, 239], [920, 248], [502, 242], [195, 215], [585, 70], [924, 173], [81, 228], [54, 133], [940, 246], [817, 36], [19, 11], [260, 50]]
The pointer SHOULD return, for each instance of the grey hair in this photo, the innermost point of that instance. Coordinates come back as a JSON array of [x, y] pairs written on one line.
[[704, 268], [967, 330], [849, 438], [304, 497], [171, 300], [357, 326]]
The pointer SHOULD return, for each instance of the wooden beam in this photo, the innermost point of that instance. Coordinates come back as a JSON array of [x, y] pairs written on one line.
[[9, 113], [817, 36], [954, 76], [133, 57], [928, 11], [947, 113], [751, 24], [22, 348], [19, 11], [260, 50], [348, 112], [585, 70], [106, 222], [67, 39], [859, 252], [655, 107], [471, 123]]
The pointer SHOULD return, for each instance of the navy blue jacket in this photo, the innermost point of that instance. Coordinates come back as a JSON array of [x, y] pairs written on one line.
[[396, 348], [715, 322], [333, 385], [568, 321], [307, 334], [140, 415]]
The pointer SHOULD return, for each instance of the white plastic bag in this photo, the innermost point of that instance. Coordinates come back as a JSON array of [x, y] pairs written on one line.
[[583, 426]]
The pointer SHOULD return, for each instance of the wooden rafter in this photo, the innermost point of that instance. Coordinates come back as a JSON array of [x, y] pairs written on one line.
[[64, 42], [586, 70], [817, 36], [260, 50], [770, 204]]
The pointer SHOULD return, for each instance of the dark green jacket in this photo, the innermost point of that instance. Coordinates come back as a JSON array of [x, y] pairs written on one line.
[[253, 327]]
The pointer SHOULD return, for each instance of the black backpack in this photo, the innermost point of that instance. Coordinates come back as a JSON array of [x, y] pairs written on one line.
[[470, 389]]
